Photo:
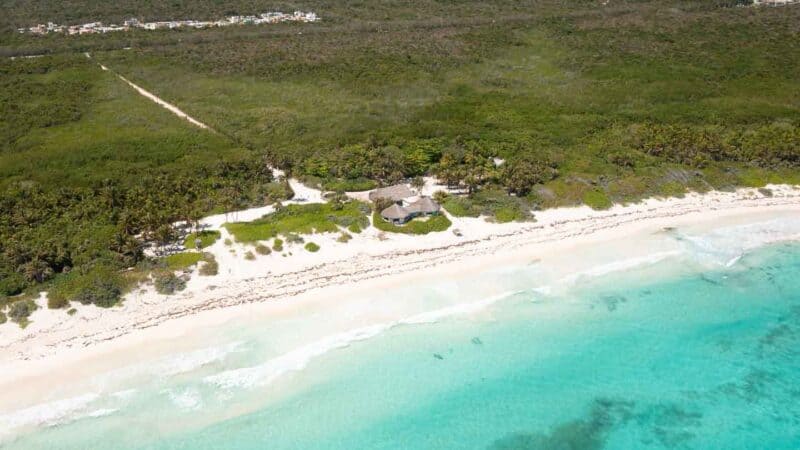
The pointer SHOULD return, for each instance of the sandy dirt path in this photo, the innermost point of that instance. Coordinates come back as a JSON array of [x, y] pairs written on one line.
[[157, 100]]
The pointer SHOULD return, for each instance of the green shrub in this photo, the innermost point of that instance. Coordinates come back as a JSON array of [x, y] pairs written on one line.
[[104, 293], [312, 247], [354, 228], [57, 301], [11, 283], [20, 310], [228, 242], [597, 200], [167, 283], [262, 249], [210, 267], [672, 189], [294, 238], [344, 238], [180, 261], [72, 311], [415, 226], [249, 256], [207, 238], [3, 318], [101, 286], [277, 245], [505, 215], [461, 207]]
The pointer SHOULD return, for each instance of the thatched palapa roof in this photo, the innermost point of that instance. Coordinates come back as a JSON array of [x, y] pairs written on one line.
[[395, 212], [424, 205], [394, 193]]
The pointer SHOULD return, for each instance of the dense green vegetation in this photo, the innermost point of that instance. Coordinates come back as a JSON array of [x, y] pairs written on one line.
[[420, 225], [585, 102], [582, 100], [300, 219], [89, 169]]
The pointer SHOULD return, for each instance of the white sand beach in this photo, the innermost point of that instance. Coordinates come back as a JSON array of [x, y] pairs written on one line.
[[96, 339]]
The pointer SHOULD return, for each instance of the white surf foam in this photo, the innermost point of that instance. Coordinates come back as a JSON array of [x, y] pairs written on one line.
[[724, 246], [102, 412], [187, 399], [48, 414], [173, 364], [299, 358], [619, 266]]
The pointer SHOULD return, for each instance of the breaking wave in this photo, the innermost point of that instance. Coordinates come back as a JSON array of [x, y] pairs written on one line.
[[298, 359]]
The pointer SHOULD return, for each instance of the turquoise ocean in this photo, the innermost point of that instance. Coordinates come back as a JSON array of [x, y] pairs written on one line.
[[697, 348]]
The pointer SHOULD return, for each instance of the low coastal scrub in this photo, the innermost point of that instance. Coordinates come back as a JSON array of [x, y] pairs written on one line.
[[210, 266], [249, 256], [493, 203], [415, 226], [183, 260], [277, 245], [167, 283], [292, 238], [206, 237], [301, 219], [3, 318], [344, 238], [461, 207], [312, 247], [597, 200], [20, 310], [101, 287], [262, 249]]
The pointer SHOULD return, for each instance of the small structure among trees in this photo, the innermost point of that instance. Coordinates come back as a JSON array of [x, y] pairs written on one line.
[[398, 204]]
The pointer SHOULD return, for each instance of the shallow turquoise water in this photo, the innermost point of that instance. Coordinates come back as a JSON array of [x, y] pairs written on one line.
[[699, 358]]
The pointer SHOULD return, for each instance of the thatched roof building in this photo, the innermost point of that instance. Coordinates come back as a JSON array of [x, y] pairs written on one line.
[[397, 214], [395, 193], [425, 205]]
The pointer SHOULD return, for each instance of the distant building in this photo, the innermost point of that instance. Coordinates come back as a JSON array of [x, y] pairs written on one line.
[[398, 215], [98, 27], [396, 193], [405, 204], [774, 2]]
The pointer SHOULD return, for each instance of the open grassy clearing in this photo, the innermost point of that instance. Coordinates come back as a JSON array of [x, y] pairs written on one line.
[[183, 260], [207, 238]]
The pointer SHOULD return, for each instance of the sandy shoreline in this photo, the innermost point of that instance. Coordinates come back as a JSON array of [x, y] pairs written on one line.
[[96, 339]]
